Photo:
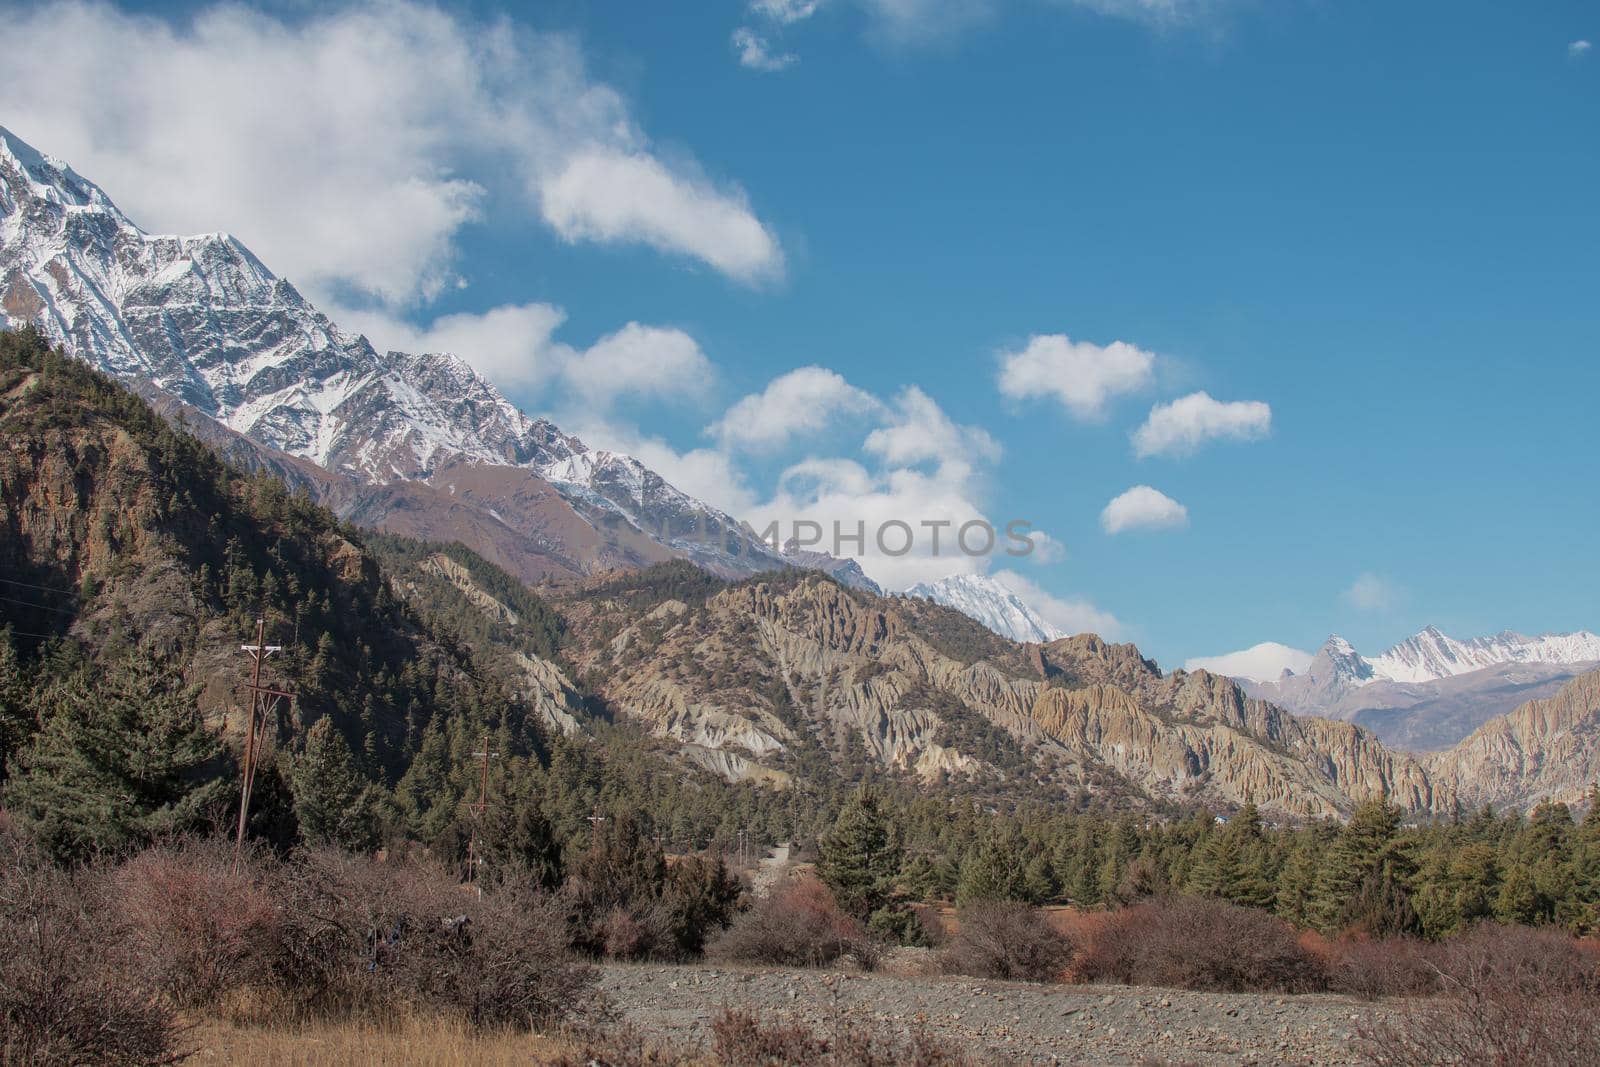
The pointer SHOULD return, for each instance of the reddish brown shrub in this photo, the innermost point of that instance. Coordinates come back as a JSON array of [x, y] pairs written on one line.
[[799, 925], [1387, 967], [1198, 943], [1511, 997], [366, 935], [60, 1000], [1006, 940], [193, 926]]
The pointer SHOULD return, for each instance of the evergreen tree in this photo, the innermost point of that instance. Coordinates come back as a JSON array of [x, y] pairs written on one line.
[[1364, 881], [121, 757], [859, 857], [330, 795], [518, 840], [992, 871], [16, 704]]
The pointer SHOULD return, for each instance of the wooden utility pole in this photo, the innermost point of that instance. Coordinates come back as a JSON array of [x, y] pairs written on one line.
[[480, 809], [265, 700]]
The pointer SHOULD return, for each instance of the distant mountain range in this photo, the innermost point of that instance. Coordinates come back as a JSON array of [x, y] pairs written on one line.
[[987, 600], [1427, 692], [416, 443]]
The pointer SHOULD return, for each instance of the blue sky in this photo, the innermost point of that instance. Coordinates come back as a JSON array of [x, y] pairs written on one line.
[[1379, 220]]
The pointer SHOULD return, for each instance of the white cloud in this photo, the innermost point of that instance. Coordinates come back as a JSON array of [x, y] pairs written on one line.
[[801, 402], [1371, 592], [918, 431], [1180, 427], [756, 53], [1265, 662], [786, 12], [1070, 615], [704, 473], [348, 147], [640, 360], [616, 196], [1084, 377], [1578, 49], [1143, 508], [513, 345]]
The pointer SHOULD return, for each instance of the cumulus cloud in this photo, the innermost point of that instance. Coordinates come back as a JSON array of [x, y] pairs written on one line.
[[1180, 427], [918, 431], [1578, 49], [916, 467], [648, 361], [514, 345], [348, 147], [1143, 508], [1082, 376], [801, 402], [1265, 662], [1070, 615], [756, 53], [620, 196], [1371, 592]]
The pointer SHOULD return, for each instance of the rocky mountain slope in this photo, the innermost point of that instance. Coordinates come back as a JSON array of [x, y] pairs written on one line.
[[119, 534], [1545, 749], [985, 599], [1430, 690], [417, 443], [770, 680]]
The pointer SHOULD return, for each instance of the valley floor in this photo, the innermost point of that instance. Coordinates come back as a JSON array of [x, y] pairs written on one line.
[[1001, 1022]]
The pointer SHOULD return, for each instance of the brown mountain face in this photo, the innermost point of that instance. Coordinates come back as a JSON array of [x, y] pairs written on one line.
[[782, 677], [1545, 749], [509, 515]]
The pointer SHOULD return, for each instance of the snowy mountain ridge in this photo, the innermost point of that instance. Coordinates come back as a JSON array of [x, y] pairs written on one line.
[[980, 597], [210, 325]]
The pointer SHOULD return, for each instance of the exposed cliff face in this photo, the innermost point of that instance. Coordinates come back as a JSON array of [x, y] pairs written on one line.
[[772, 670], [1545, 749]]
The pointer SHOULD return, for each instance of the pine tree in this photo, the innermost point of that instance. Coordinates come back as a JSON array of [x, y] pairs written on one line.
[[16, 704], [330, 796], [859, 857], [1364, 884], [992, 871], [121, 757], [518, 839]]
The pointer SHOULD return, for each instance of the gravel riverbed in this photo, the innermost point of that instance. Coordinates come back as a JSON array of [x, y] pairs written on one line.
[[1007, 1022]]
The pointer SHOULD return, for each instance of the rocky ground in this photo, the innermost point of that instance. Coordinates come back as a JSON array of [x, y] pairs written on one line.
[[1005, 1021]]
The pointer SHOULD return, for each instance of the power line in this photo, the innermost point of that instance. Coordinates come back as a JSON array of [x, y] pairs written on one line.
[[42, 588], [38, 607]]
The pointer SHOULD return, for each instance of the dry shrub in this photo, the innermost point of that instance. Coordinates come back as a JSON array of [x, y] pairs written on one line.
[[1371, 968], [195, 927], [333, 935], [799, 925], [1511, 997], [375, 937], [1006, 940], [61, 1002], [1203, 944], [743, 1039]]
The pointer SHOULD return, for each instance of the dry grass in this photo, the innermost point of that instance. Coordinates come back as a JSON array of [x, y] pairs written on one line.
[[428, 1042]]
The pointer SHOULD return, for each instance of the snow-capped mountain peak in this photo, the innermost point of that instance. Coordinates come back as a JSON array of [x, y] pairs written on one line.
[[207, 323], [1432, 654], [985, 599]]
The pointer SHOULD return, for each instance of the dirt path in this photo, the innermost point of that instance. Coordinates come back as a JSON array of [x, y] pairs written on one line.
[[1010, 1022]]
